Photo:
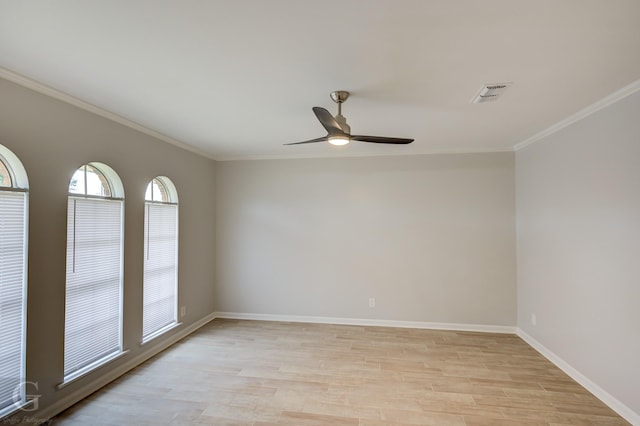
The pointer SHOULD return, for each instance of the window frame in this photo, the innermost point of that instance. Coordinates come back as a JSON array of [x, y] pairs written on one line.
[[170, 192], [19, 184], [116, 193]]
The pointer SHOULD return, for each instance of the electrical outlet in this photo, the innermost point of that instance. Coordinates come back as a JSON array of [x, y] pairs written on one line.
[[372, 302], [183, 311], [534, 320]]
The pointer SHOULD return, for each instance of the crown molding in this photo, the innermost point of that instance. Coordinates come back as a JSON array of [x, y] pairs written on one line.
[[583, 113], [342, 154], [79, 103], [36, 86]]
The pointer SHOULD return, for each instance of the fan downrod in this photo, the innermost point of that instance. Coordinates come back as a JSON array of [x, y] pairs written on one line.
[[340, 96], [338, 129]]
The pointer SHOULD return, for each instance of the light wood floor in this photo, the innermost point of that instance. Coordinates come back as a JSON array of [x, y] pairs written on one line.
[[266, 373]]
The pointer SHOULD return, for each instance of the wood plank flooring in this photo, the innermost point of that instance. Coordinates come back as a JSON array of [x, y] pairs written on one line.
[[234, 372]]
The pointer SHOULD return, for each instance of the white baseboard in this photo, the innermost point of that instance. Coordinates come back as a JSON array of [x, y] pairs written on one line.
[[600, 393], [617, 406], [370, 322], [77, 395], [66, 402]]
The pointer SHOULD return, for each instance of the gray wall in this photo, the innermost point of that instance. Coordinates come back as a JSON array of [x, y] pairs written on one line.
[[432, 238], [578, 210], [52, 139]]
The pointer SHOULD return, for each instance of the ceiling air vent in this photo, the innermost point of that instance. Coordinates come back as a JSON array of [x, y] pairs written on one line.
[[490, 92]]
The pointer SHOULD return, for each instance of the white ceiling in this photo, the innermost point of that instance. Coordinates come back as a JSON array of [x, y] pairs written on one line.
[[238, 78]]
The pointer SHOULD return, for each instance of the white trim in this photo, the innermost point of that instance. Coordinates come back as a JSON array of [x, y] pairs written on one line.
[[65, 97], [343, 154], [370, 322], [152, 336], [171, 188], [583, 113], [70, 99], [115, 183], [613, 403], [91, 367], [86, 390], [604, 396], [16, 169], [8, 412]]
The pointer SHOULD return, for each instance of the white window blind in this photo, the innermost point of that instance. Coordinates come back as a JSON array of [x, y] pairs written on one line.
[[13, 251], [93, 304], [160, 268]]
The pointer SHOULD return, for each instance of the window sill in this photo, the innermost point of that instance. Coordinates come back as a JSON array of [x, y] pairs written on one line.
[[89, 368], [10, 411], [160, 332]]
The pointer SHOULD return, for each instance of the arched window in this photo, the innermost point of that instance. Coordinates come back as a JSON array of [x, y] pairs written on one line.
[[93, 303], [160, 300], [13, 280]]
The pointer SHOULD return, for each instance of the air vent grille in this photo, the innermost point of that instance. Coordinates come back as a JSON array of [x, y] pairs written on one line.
[[490, 92]]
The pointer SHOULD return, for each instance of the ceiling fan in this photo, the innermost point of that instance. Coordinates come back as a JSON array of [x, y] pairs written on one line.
[[339, 132]]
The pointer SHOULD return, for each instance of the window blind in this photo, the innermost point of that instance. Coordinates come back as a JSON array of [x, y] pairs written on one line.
[[13, 250], [160, 268], [93, 304]]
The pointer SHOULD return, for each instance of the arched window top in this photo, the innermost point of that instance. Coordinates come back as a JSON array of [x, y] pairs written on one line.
[[161, 190], [5, 176], [96, 180], [12, 172]]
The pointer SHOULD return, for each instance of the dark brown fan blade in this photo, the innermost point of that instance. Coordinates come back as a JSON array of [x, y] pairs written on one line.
[[328, 122], [322, 139], [381, 139]]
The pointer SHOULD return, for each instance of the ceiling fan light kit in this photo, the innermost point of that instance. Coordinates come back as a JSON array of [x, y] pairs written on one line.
[[339, 132], [338, 140]]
